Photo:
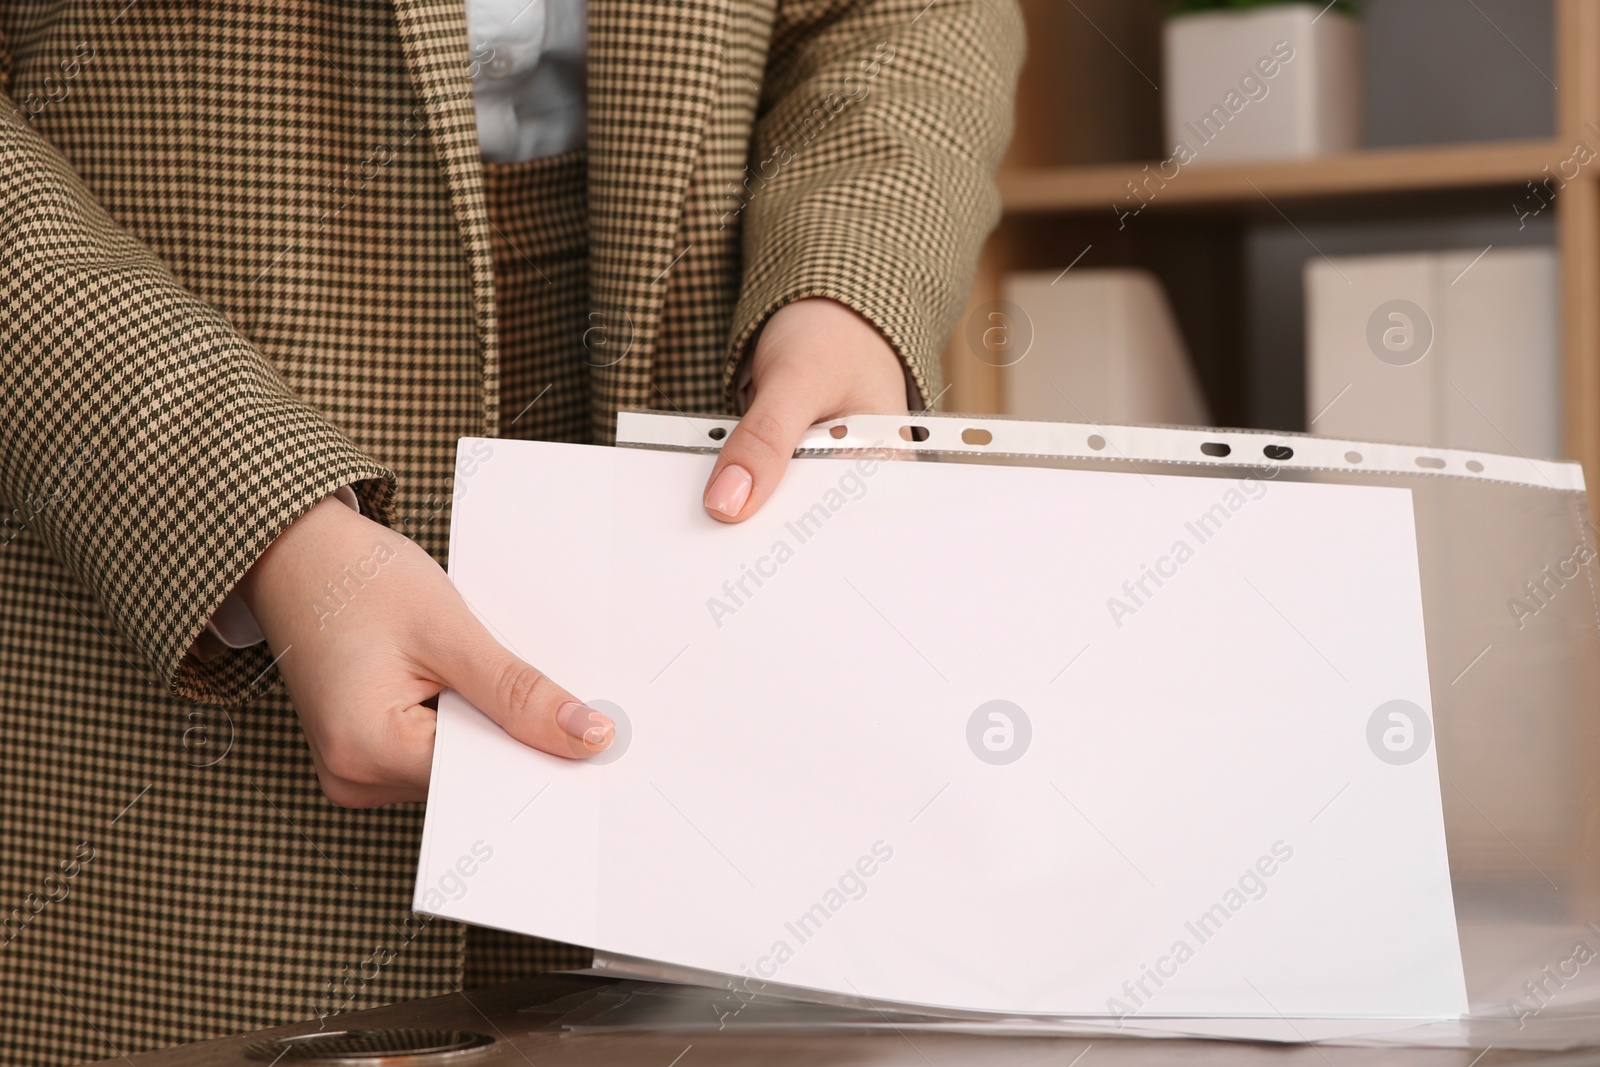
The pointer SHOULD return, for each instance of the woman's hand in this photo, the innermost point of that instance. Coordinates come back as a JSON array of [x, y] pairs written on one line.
[[367, 628], [815, 360]]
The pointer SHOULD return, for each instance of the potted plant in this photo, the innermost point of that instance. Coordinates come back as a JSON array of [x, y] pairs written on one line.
[[1263, 79]]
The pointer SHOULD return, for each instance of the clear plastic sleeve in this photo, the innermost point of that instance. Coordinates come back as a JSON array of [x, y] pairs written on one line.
[[1507, 558]]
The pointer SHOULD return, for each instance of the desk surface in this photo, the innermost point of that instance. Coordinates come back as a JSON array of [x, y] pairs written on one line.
[[523, 1038]]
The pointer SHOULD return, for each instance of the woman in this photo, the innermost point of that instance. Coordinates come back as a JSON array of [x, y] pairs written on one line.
[[263, 265]]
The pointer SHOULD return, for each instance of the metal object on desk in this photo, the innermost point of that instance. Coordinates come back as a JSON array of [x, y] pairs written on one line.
[[392, 1047]]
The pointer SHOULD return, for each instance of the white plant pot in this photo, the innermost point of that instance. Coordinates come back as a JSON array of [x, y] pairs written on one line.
[[1278, 82]]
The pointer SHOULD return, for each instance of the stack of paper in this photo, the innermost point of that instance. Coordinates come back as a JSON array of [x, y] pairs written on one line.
[[972, 737]]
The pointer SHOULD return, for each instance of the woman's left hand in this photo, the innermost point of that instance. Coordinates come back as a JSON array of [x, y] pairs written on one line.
[[815, 360]]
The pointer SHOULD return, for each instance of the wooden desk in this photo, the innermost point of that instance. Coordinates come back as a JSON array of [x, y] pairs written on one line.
[[527, 1038]]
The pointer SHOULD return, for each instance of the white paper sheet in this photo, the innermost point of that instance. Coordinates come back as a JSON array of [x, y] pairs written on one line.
[[1209, 814]]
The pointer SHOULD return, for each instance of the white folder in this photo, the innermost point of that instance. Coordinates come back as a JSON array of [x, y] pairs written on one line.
[[1454, 349]]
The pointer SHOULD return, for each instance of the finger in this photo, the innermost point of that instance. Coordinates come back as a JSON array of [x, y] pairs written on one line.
[[757, 453], [523, 700], [387, 760], [347, 794]]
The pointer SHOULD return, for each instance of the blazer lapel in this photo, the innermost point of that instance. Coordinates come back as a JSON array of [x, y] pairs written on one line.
[[653, 70], [433, 36]]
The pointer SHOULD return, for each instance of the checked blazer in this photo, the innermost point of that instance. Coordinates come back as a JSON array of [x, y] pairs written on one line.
[[246, 257]]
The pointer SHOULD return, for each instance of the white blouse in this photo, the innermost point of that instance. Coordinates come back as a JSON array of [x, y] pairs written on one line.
[[527, 67]]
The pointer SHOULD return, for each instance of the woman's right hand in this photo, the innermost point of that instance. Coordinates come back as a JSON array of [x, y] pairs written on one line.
[[368, 629]]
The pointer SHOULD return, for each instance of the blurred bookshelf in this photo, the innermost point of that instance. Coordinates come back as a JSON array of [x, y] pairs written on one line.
[[1089, 124], [1371, 173]]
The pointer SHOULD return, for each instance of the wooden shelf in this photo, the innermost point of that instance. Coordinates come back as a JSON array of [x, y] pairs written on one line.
[[1089, 102], [1068, 190]]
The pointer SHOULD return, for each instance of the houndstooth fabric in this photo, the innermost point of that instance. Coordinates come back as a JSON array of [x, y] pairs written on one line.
[[538, 222], [247, 254]]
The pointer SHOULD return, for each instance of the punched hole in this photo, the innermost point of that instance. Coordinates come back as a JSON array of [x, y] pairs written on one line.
[[975, 436], [1352, 457], [1433, 463], [838, 432], [1096, 442], [1474, 466], [1215, 448], [717, 433], [913, 433], [1278, 452]]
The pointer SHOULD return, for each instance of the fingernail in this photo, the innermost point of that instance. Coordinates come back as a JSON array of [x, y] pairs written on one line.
[[591, 727], [730, 490]]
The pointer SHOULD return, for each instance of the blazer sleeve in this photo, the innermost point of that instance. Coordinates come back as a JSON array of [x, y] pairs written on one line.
[[871, 175], [148, 446]]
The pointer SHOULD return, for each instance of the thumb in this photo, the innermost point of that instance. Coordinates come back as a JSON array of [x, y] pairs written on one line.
[[756, 454], [521, 698]]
